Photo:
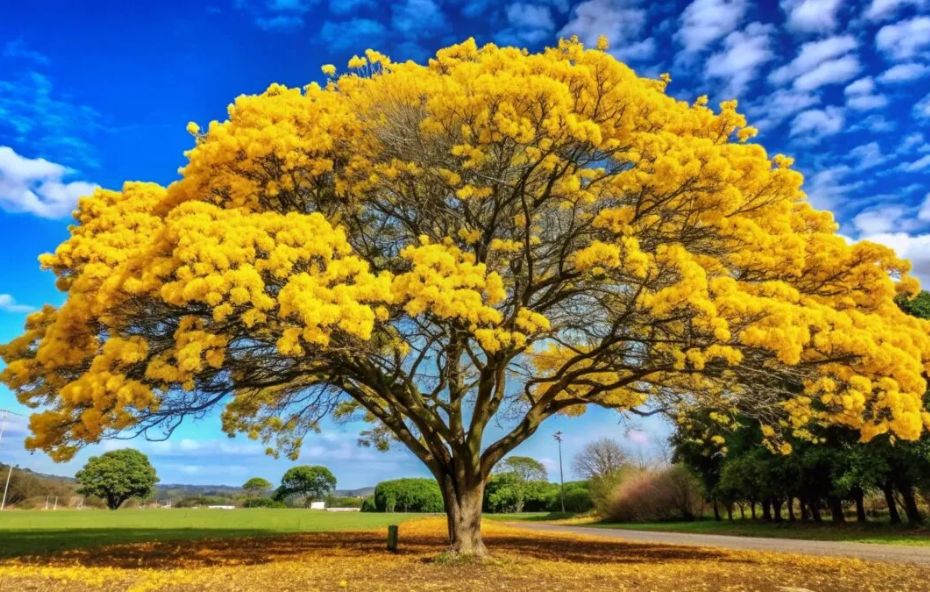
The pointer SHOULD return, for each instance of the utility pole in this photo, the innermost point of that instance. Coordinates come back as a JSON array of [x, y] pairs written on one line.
[[9, 473], [558, 438]]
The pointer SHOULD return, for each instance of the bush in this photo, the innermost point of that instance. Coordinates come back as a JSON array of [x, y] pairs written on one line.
[[650, 496], [334, 501], [263, 502], [368, 504], [408, 495], [577, 498], [507, 492]]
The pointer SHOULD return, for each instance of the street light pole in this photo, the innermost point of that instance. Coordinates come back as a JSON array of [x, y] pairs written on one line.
[[558, 438], [3, 414]]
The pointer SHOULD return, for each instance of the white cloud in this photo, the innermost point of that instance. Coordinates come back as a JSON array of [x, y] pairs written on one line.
[[867, 156], [811, 16], [819, 63], [9, 304], [923, 214], [705, 21], [915, 248], [880, 10], [860, 95], [527, 23], [779, 106], [915, 166], [828, 187], [36, 186], [903, 73], [742, 55], [621, 21], [904, 40], [418, 18], [922, 108], [829, 72], [879, 220], [277, 15], [866, 102], [814, 124]]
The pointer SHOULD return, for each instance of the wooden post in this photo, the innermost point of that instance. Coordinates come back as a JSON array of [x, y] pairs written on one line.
[[392, 538]]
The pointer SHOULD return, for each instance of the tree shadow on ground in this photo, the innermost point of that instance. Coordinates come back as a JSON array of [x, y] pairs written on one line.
[[251, 548]]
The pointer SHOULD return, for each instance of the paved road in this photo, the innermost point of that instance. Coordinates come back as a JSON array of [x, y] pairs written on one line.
[[866, 551]]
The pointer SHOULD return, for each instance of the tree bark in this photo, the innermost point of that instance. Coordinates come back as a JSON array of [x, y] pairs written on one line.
[[766, 510], [790, 504], [463, 515], [859, 496], [910, 504], [814, 507], [836, 509], [716, 511], [776, 508], [893, 515]]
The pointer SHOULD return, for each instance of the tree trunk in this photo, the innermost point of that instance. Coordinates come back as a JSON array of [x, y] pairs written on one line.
[[776, 508], [858, 496], [790, 504], [910, 504], [814, 506], [730, 511], [893, 515], [766, 510], [752, 508], [716, 511], [836, 509], [463, 515]]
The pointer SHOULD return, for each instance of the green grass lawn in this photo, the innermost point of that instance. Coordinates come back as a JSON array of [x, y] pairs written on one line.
[[874, 532], [852, 532], [26, 532]]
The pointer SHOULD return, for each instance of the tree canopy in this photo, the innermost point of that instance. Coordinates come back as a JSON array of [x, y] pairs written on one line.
[[117, 476], [256, 486], [493, 234], [310, 482]]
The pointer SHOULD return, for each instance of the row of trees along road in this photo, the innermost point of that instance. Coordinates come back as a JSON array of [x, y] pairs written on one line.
[[828, 469], [495, 236]]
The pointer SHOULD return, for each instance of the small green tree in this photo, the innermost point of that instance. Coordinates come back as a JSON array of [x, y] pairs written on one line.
[[310, 482], [117, 476], [256, 486], [517, 479]]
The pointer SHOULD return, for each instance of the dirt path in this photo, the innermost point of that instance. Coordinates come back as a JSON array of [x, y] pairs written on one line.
[[867, 551]]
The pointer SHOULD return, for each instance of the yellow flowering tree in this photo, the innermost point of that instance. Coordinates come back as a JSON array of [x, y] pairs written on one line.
[[493, 235]]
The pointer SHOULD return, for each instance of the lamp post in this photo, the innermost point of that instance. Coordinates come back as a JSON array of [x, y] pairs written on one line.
[[558, 438]]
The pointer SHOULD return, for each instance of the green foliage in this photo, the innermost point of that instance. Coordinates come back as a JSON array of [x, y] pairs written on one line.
[[334, 501], [577, 498], [509, 492], [918, 306], [523, 467], [307, 482], [263, 502], [256, 486], [408, 495], [117, 476], [196, 501]]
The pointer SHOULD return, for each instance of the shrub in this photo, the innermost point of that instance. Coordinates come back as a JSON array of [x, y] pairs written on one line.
[[368, 504], [408, 495], [577, 498], [263, 502], [668, 494], [334, 501], [508, 492]]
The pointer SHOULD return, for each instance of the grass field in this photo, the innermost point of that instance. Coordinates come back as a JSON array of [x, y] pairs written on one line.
[[523, 560], [27, 532]]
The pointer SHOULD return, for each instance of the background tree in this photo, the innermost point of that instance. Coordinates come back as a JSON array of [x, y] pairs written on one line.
[[599, 459], [116, 476], [495, 235], [407, 495], [517, 480], [310, 482], [256, 486]]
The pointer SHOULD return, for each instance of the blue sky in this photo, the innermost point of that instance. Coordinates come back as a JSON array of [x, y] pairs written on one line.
[[94, 95]]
